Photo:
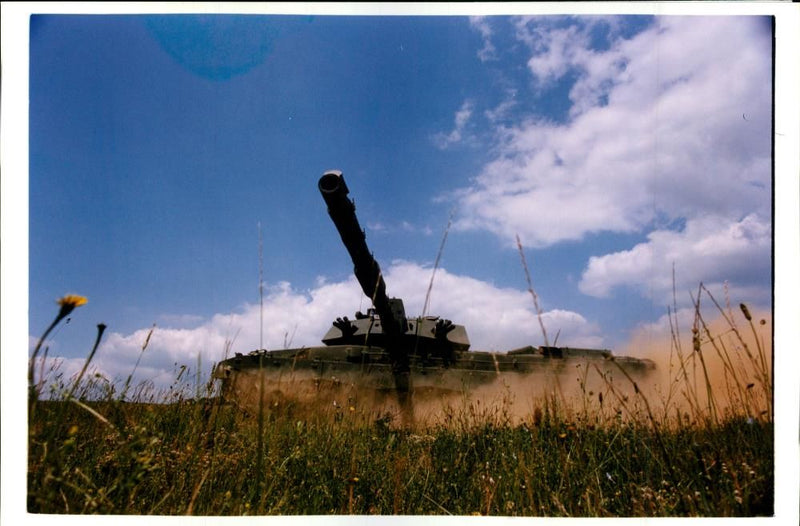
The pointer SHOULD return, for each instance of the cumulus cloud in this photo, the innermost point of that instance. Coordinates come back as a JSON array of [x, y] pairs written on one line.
[[672, 124], [559, 47], [495, 318], [707, 249]]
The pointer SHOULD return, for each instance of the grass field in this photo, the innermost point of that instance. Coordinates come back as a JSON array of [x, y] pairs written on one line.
[[701, 445]]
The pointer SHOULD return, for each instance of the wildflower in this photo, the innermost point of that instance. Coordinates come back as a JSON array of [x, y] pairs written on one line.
[[68, 304]]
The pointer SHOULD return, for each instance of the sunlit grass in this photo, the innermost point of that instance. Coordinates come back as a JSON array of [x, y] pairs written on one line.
[[616, 449]]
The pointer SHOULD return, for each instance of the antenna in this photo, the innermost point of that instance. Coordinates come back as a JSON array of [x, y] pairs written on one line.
[[260, 288], [436, 263], [533, 292]]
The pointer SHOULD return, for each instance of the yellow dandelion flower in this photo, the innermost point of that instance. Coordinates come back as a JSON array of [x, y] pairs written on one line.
[[73, 300], [68, 304]]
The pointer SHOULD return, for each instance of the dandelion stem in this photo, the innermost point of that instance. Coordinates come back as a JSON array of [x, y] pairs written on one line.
[[68, 304], [38, 348]]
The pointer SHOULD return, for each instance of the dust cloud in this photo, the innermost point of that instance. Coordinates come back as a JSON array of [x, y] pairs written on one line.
[[725, 369], [710, 369], [577, 393]]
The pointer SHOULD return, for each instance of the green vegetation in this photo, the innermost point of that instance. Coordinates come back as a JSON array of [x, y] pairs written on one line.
[[201, 458], [611, 451]]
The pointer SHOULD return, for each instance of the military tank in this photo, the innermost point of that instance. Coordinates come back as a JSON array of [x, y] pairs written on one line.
[[384, 350]]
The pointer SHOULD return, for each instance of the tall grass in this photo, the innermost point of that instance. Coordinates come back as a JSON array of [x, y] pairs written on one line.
[[702, 445]]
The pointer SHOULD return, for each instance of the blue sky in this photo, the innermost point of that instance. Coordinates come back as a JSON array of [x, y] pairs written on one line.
[[614, 146]]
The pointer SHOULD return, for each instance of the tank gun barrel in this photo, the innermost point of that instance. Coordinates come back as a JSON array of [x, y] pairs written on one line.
[[368, 273]]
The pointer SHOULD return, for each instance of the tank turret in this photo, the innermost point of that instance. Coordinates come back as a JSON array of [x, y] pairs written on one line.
[[402, 337]]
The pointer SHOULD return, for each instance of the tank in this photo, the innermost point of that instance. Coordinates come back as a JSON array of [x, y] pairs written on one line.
[[386, 352]]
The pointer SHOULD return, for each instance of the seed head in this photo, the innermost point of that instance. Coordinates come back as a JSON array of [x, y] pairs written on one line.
[[745, 311]]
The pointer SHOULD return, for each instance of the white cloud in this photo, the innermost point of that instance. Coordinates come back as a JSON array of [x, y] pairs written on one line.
[[495, 318], [561, 50], [460, 119], [558, 49], [480, 24], [502, 110], [709, 249], [400, 226], [671, 124]]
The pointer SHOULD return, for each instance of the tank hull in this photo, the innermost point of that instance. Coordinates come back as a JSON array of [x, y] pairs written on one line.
[[306, 371]]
